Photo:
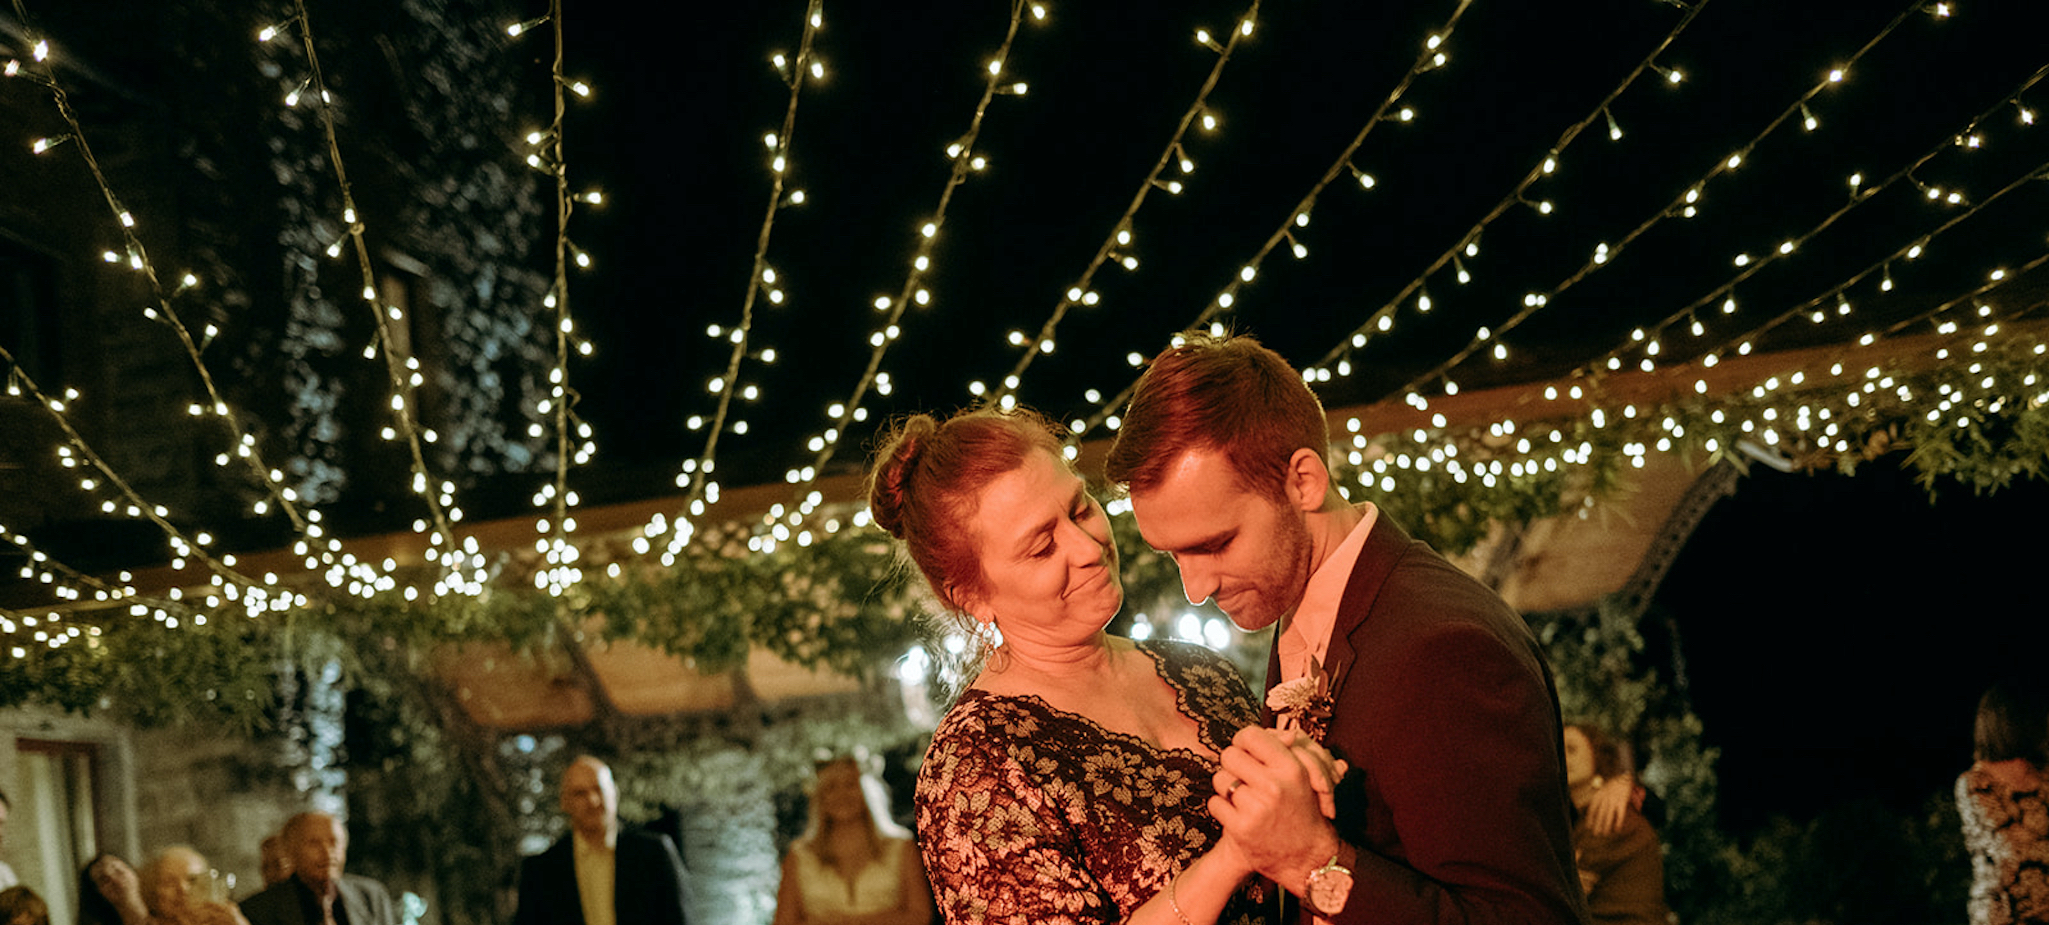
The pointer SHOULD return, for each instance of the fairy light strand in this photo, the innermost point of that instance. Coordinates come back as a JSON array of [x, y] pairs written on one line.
[[561, 571], [1428, 60], [963, 156], [1682, 205], [1379, 319], [404, 394], [700, 472], [1120, 229], [160, 308], [1655, 333], [138, 260]]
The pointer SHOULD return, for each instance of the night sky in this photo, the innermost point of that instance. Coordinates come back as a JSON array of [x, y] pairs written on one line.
[[675, 131]]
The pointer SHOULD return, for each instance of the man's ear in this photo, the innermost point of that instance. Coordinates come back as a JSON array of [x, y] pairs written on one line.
[[1307, 480]]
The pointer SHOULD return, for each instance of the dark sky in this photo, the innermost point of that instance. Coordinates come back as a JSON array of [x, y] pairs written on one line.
[[685, 98]]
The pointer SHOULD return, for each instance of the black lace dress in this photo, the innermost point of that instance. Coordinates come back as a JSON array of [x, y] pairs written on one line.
[[2006, 830], [1028, 814]]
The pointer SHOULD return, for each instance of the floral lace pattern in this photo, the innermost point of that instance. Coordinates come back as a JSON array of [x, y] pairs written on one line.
[[1031, 814], [2007, 834]]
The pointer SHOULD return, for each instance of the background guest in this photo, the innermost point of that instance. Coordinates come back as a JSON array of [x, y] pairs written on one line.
[[275, 862], [179, 889], [110, 893], [7, 877], [2004, 804], [600, 873], [20, 905], [1623, 871], [853, 863], [319, 891]]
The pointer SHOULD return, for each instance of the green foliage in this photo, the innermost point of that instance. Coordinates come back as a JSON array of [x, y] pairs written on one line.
[[1855, 863]]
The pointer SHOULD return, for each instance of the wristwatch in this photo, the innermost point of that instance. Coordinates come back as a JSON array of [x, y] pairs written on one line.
[[1328, 887]]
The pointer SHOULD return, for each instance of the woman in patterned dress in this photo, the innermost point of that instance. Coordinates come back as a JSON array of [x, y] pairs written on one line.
[[2004, 802], [1069, 782]]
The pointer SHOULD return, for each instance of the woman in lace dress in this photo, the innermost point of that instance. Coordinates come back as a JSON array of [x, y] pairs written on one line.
[[853, 865], [2004, 802], [1068, 783]]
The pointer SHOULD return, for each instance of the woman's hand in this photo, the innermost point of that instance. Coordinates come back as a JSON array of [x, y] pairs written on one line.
[[1610, 804]]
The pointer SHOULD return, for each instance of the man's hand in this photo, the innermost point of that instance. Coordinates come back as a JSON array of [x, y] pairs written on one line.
[[1272, 793]]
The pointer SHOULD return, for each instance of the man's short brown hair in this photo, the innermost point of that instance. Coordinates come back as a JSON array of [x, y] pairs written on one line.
[[1229, 393]]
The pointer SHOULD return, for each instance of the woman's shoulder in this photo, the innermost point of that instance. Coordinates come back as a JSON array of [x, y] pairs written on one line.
[[1994, 777], [982, 725]]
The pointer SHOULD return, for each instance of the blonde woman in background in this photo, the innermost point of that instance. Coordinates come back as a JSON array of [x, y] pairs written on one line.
[[853, 865]]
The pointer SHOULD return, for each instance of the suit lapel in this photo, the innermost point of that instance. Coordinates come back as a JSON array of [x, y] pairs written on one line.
[[352, 903], [1384, 546], [1273, 677]]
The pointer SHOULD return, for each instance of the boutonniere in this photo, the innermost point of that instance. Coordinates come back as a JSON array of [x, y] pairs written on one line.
[[1303, 703]]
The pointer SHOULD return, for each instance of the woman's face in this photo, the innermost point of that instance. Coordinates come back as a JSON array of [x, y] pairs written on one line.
[[116, 880], [839, 792], [1579, 757], [1049, 568]]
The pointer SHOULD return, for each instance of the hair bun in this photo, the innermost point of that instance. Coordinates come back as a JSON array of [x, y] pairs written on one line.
[[896, 464]]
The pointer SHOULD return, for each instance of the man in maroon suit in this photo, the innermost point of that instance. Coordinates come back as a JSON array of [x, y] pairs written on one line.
[[1454, 807]]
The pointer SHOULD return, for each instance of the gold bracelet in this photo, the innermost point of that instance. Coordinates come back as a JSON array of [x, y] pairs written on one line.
[[1176, 906]]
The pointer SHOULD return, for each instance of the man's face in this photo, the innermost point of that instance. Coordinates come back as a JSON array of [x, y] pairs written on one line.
[[1249, 552], [276, 863], [319, 846], [174, 880], [589, 798]]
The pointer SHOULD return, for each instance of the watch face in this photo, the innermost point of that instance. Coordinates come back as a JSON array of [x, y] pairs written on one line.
[[1328, 889]]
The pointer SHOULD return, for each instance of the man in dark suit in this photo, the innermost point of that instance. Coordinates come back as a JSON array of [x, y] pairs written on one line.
[[318, 892], [1454, 807], [600, 874]]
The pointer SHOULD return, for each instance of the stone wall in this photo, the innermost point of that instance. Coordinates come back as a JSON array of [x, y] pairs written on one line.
[[218, 794]]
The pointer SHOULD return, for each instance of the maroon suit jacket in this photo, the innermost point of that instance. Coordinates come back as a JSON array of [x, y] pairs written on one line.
[[1446, 712]]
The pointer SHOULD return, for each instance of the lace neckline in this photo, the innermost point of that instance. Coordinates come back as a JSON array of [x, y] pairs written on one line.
[[1154, 650]]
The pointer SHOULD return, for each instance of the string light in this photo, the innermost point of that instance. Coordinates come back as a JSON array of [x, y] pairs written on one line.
[[912, 291], [1381, 320], [695, 476], [1685, 206]]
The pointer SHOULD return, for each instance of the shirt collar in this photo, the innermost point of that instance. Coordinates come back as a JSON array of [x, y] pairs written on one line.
[[1317, 614], [585, 846]]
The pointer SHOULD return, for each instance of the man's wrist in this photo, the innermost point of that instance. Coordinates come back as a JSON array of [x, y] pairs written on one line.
[[1327, 889], [1330, 844]]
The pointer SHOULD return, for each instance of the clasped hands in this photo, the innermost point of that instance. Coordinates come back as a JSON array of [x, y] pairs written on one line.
[[1275, 799]]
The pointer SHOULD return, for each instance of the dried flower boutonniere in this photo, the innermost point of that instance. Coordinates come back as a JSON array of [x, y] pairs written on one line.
[[1303, 703]]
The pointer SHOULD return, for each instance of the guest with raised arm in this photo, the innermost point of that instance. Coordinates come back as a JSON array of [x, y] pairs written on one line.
[[110, 893], [1621, 867]]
